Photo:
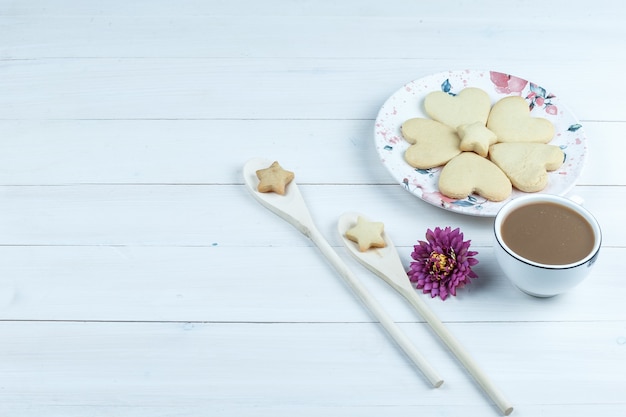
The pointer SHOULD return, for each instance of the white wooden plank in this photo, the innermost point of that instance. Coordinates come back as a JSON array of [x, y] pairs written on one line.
[[60, 152], [202, 215], [287, 410], [264, 285], [183, 151], [403, 30], [534, 9], [126, 236], [308, 88], [187, 368]]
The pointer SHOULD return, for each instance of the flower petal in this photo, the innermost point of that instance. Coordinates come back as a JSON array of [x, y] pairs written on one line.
[[443, 262]]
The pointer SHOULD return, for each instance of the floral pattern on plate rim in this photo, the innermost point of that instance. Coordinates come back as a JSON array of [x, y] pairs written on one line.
[[407, 102]]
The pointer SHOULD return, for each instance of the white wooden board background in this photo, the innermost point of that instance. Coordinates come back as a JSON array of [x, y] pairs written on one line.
[[138, 277]]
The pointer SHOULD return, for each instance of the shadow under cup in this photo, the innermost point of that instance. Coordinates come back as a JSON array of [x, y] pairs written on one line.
[[535, 277]]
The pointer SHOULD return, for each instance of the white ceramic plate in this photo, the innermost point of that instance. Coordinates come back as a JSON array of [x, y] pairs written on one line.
[[407, 103]]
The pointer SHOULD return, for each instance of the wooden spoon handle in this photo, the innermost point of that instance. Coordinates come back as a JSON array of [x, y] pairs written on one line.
[[377, 311], [459, 351]]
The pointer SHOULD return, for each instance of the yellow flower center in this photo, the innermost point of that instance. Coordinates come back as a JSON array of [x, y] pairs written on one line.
[[441, 264]]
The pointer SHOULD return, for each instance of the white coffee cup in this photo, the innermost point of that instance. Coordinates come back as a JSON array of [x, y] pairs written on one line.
[[539, 279]]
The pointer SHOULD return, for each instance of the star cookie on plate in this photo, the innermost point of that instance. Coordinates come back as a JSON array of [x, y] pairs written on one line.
[[274, 179], [475, 137], [367, 234]]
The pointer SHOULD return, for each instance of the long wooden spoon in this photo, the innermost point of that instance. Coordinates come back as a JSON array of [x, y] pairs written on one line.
[[292, 208], [386, 263]]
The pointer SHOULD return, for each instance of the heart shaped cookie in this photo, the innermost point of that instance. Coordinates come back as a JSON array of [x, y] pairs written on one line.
[[527, 164], [511, 121], [468, 106], [469, 173], [432, 143]]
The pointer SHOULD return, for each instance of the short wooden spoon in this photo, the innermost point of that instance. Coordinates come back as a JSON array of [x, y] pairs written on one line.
[[386, 263]]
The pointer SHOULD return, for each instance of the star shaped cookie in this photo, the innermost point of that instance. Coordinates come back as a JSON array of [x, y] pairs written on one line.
[[274, 179], [475, 137], [367, 234]]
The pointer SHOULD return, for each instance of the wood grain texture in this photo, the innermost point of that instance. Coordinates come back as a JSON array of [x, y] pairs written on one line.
[[130, 367], [138, 277], [298, 88], [65, 152]]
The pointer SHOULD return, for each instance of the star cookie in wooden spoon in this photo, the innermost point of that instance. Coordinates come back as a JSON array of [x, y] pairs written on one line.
[[274, 179], [367, 234]]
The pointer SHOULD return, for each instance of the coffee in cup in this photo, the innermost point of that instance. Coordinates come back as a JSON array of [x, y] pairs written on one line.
[[545, 244]]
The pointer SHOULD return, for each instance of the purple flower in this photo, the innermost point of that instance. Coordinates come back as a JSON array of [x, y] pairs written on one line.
[[443, 263]]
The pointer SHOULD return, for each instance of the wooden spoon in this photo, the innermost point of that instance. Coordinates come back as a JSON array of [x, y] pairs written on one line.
[[292, 208], [386, 264]]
